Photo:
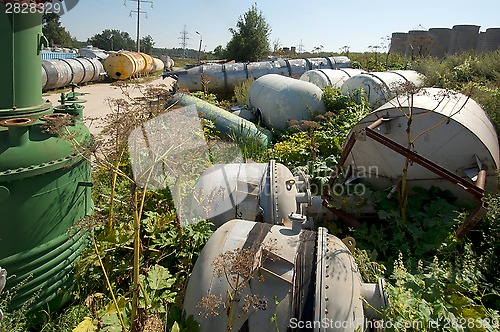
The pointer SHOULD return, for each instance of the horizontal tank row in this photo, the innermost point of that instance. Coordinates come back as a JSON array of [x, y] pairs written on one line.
[[61, 72], [222, 78], [441, 41], [58, 73], [279, 99]]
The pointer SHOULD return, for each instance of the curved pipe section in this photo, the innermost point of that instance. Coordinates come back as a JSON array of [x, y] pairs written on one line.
[[225, 121], [222, 78], [58, 73]]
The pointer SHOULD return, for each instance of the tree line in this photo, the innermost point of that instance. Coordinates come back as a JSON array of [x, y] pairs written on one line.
[[108, 40], [249, 41]]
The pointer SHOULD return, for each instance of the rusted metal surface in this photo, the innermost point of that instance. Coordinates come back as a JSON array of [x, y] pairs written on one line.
[[424, 162], [475, 189], [478, 214]]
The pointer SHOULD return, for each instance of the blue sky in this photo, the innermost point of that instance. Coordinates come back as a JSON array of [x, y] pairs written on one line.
[[332, 24]]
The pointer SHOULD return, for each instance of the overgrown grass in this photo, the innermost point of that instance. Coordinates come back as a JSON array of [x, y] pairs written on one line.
[[433, 277]]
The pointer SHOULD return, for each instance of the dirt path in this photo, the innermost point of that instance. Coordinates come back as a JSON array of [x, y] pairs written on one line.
[[97, 96]]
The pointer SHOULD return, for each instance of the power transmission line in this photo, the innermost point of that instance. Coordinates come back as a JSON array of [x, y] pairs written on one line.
[[301, 47], [184, 37], [139, 12]]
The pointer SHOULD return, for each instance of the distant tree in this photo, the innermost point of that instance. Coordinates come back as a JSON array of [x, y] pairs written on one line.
[[277, 46], [250, 41], [318, 49], [345, 50], [219, 52], [113, 40], [54, 32], [147, 44]]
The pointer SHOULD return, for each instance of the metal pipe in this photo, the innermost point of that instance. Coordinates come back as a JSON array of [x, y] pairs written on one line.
[[222, 78], [225, 121]]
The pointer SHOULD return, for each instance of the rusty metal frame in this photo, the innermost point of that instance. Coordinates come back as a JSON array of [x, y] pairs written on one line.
[[476, 189]]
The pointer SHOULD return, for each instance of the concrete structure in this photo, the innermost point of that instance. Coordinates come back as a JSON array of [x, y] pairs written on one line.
[[489, 40], [463, 38], [398, 42], [439, 42], [418, 43]]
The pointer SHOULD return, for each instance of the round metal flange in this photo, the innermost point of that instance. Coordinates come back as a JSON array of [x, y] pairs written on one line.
[[17, 122], [76, 100], [55, 117]]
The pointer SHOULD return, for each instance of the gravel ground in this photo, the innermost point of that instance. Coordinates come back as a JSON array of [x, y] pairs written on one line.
[[97, 96]]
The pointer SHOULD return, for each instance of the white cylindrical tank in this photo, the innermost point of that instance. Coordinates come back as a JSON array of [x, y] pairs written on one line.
[[57, 73], [453, 132], [281, 99], [381, 86], [252, 191], [158, 65], [329, 77], [296, 276]]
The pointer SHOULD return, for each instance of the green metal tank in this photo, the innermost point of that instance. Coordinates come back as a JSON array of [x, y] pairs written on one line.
[[44, 172]]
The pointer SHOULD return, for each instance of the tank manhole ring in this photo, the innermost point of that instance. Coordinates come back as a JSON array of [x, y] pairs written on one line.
[[55, 117], [17, 122]]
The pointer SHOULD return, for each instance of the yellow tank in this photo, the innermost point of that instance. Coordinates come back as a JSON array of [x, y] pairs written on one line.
[[149, 64], [123, 65]]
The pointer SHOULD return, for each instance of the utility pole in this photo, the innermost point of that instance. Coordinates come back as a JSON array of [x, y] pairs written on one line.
[[184, 37], [199, 50], [301, 47], [139, 12]]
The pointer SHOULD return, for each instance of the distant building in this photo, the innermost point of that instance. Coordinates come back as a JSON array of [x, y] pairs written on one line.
[[439, 42]]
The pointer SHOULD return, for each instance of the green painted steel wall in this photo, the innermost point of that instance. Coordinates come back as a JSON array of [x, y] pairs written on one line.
[[44, 175], [20, 59]]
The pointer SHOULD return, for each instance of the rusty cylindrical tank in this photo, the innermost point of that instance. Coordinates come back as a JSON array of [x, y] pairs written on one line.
[[124, 65]]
